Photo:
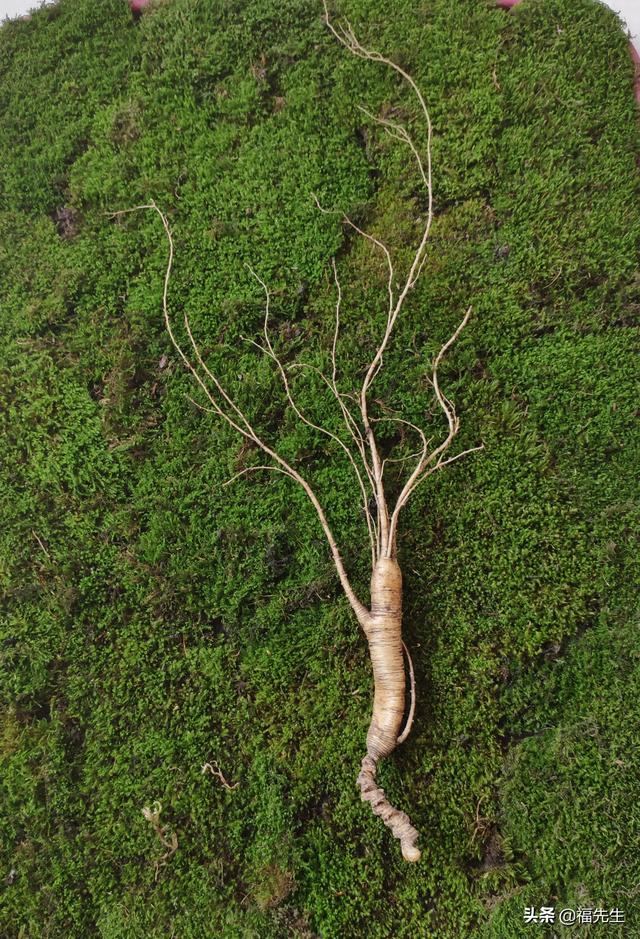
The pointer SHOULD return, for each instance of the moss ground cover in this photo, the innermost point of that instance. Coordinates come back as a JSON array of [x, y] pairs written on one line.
[[154, 620]]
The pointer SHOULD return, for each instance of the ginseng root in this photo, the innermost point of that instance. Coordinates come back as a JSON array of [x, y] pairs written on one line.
[[382, 623]]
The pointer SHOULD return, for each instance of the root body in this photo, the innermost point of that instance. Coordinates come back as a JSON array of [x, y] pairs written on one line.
[[383, 628]]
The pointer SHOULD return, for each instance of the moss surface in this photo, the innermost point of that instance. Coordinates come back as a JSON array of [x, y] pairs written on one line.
[[153, 620]]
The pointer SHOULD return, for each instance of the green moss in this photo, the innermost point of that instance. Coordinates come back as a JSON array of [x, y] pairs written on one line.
[[154, 620]]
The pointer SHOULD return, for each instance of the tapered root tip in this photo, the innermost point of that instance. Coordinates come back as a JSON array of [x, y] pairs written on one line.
[[411, 853], [399, 822]]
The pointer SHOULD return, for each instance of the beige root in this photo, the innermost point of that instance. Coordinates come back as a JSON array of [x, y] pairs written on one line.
[[383, 628], [382, 620]]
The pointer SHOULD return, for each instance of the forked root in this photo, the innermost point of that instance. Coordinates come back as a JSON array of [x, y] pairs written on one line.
[[398, 821]]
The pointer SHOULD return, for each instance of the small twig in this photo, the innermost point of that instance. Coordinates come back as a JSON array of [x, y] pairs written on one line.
[[40, 543], [481, 824], [170, 842], [215, 770]]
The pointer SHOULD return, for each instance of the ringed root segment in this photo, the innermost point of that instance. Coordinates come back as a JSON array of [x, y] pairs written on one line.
[[383, 628]]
